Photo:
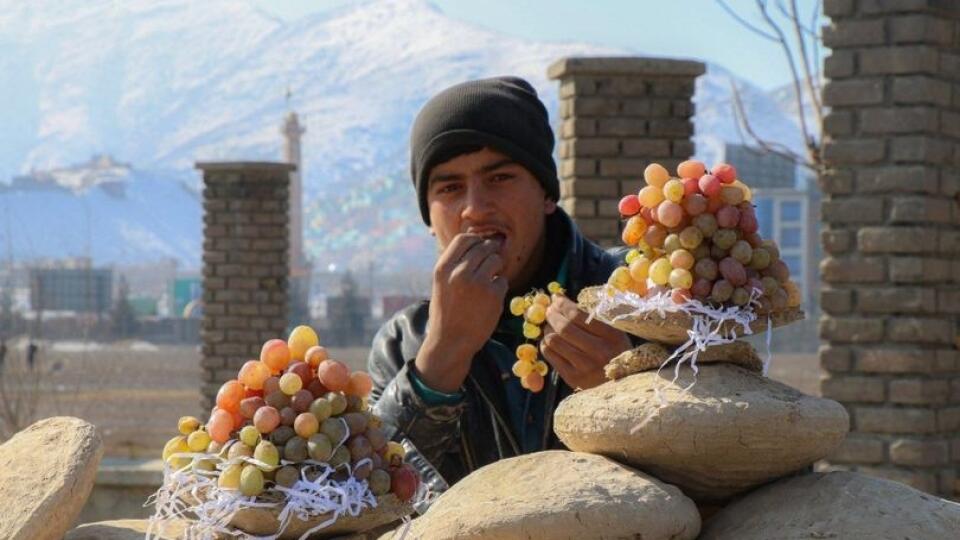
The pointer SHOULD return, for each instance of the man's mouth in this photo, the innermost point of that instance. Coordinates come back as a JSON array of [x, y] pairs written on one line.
[[491, 234]]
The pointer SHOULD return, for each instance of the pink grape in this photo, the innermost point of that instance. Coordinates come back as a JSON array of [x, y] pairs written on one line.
[[287, 416], [710, 185], [701, 288], [733, 271], [271, 385], [779, 270], [706, 269], [302, 369], [695, 204], [681, 258], [360, 384], [707, 223], [249, 406], [669, 214], [691, 186], [680, 278], [753, 239], [714, 204], [655, 236], [334, 375], [301, 400], [229, 396], [691, 237], [656, 175], [755, 284], [779, 298], [721, 291], [718, 253], [629, 205], [725, 172], [691, 169], [679, 296], [749, 223], [731, 195], [253, 374], [728, 217], [650, 196], [266, 419], [220, 425]]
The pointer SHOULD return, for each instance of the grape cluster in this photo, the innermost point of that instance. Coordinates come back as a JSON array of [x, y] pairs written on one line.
[[695, 235], [294, 404], [533, 308]]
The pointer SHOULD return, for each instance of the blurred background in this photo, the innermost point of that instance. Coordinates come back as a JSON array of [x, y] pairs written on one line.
[[107, 106]]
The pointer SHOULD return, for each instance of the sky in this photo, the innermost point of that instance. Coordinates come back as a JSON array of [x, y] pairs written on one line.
[[699, 29]]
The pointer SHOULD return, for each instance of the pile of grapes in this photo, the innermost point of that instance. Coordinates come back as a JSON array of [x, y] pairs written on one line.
[[533, 308], [695, 236], [292, 415]]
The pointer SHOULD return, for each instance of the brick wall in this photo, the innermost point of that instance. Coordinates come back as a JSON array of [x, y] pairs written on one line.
[[245, 265], [618, 115], [891, 236]]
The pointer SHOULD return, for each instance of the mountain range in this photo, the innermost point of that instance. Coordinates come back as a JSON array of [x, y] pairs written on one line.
[[161, 84]]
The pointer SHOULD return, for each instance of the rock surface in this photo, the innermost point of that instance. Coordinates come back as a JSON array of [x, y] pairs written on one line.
[[651, 356], [46, 474], [127, 529], [733, 430], [841, 505], [558, 495]]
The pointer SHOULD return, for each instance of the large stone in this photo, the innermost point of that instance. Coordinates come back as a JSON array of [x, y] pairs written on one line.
[[128, 529], [731, 431], [556, 495], [841, 505], [46, 474]]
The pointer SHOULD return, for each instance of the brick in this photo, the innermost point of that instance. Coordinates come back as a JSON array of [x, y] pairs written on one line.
[[670, 127], [608, 208], [590, 147], [851, 329], [890, 360], [836, 301], [949, 242], [853, 270], [622, 167], [624, 86], [919, 330], [853, 92], [578, 86], [836, 182], [850, 33], [646, 147], [950, 65], [836, 359], [621, 127], [839, 64], [838, 122], [589, 187], [859, 449], [896, 300], [899, 60], [919, 148], [895, 420], [580, 208], [949, 184], [884, 7], [917, 479], [948, 301], [919, 270], [949, 124], [837, 8], [578, 127], [877, 121], [571, 168], [683, 148], [683, 108], [836, 241], [211, 362], [598, 228], [897, 239], [853, 151], [921, 210], [920, 452], [672, 87], [921, 89], [948, 419], [853, 389], [590, 106], [897, 179], [919, 391], [921, 29], [852, 210]]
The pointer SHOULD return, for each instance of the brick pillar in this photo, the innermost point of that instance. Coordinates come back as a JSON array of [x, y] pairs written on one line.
[[891, 237], [245, 265], [618, 115]]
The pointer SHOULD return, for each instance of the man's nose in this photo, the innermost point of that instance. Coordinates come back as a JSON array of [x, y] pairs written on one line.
[[478, 203]]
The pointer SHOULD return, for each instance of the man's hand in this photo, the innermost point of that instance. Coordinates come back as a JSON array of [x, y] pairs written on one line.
[[576, 349], [465, 306]]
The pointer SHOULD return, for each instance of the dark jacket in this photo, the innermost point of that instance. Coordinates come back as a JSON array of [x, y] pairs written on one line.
[[458, 439]]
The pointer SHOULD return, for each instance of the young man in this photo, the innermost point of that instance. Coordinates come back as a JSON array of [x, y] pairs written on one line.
[[482, 164]]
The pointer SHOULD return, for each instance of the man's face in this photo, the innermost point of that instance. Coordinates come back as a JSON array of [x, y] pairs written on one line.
[[489, 194]]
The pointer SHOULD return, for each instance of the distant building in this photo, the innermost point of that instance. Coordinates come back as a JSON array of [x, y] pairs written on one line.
[[186, 293], [785, 209], [300, 269], [80, 290]]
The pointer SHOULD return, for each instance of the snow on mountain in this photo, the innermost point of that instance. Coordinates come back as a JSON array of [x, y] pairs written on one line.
[[162, 84]]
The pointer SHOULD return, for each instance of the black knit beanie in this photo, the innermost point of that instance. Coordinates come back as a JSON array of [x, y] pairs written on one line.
[[503, 113]]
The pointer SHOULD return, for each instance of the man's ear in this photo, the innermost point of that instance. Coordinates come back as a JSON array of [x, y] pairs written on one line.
[[549, 206]]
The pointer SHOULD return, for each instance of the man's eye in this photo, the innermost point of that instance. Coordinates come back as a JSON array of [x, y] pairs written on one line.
[[502, 177], [447, 188]]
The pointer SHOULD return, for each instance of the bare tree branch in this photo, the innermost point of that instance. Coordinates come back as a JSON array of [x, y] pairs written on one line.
[[771, 147], [746, 24], [816, 53], [807, 140], [809, 30], [814, 98]]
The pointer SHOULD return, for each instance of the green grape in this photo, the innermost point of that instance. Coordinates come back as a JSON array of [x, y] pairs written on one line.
[[230, 477], [267, 453], [295, 450], [660, 271], [249, 436], [198, 441], [287, 476], [760, 258], [338, 403], [281, 435], [335, 429], [319, 447], [740, 296], [321, 408], [722, 291], [379, 482], [702, 251], [672, 243], [725, 238], [707, 223], [290, 383], [680, 278], [251, 481], [691, 237], [770, 285], [238, 450], [340, 457], [741, 251], [706, 269]]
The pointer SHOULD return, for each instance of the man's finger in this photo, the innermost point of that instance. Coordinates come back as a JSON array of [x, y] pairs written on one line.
[[489, 267], [573, 313], [574, 332], [457, 247], [476, 256], [562, 364], [579, 358]]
